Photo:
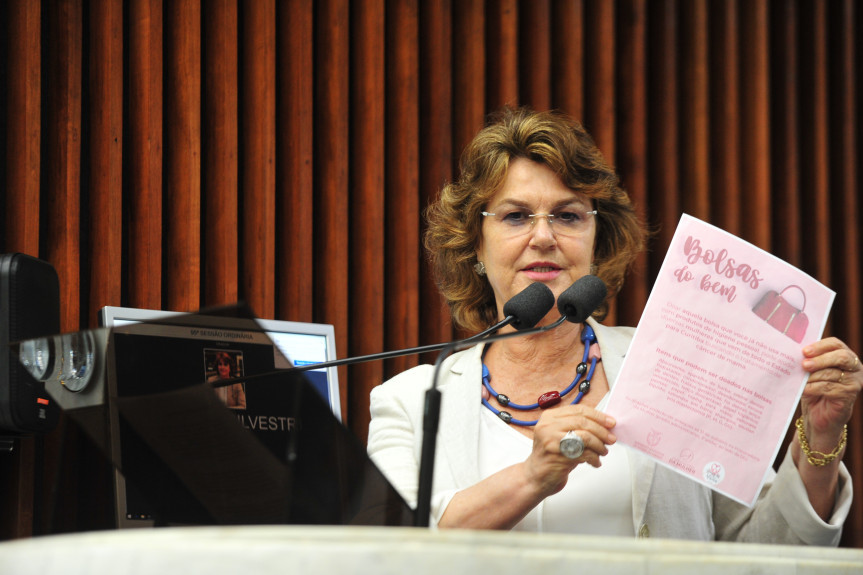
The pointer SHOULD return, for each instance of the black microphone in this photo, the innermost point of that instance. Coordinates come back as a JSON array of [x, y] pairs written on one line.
[[576, 304], [529, 306], [582, 298]]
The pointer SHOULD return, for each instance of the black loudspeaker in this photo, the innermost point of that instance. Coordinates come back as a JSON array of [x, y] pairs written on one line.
[[29, 308]]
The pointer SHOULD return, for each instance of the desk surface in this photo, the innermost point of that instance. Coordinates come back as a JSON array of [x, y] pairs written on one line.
[[383, 550]]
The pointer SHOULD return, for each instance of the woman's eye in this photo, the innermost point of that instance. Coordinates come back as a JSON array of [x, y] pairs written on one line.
[[568, 217], [515, 217]]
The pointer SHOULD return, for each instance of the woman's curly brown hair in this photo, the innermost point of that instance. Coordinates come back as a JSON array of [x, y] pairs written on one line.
[[454, 222]]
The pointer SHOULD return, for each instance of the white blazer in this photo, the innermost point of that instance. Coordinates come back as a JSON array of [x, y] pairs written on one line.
[[665, 503]]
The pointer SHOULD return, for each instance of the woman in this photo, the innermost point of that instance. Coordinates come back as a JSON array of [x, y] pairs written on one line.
[[233, 396], [536, 202]]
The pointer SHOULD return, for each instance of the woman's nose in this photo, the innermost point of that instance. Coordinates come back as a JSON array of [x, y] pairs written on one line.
[[542, 232]]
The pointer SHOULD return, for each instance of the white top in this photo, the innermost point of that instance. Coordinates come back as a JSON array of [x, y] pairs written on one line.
[[608, 508]]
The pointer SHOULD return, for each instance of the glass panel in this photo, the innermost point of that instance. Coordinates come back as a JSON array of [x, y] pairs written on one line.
[[188, 455]]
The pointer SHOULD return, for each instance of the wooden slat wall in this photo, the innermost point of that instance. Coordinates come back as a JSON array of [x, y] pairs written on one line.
[[369, 138], [183, 155], [180, 154]]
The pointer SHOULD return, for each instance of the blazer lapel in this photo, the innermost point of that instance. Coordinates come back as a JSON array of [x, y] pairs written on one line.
[[614, 343], [458, 435]]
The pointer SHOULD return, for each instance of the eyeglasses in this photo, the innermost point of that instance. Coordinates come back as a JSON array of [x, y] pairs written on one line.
[[566, 221]]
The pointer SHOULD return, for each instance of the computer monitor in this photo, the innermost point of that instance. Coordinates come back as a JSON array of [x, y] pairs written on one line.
[[225, 350]]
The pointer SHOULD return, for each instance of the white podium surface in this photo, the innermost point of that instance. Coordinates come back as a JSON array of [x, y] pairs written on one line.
[[383, 550]]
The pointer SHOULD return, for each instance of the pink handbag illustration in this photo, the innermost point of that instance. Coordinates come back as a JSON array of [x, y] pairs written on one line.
[[781, 314]]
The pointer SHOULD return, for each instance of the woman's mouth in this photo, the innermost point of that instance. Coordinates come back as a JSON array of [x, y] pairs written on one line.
[[542, 268], [541, 271]]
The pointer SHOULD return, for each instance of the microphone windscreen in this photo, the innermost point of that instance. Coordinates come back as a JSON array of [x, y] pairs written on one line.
[[582, 298], [529, 305]]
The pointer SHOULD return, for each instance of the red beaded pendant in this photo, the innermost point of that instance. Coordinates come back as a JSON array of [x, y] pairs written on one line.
[[548, 399]]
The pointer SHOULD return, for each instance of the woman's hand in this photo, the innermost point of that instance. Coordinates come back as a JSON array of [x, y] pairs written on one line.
[[835, 381], [828, 400], [547, 466], [504, 498]]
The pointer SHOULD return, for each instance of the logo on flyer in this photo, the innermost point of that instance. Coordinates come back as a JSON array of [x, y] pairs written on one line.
[[714, 473]]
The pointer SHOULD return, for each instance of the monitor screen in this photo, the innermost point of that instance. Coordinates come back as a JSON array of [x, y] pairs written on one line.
[[213, 354]]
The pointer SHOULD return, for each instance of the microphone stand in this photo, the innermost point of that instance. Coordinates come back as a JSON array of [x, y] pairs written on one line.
[[523, 307], [431, 418], [371, 357]]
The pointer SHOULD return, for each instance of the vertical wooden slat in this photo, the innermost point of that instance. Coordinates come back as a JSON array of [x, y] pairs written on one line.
[[568, 62], [24, 122], [402, 173], [294, 170], [600, 93], [221, 154], [258, 151], [787, 217], [535, 55], [632, 146], [468, 72], [845, 175], [816, 140], [369, 105], [332, 205], [600, 58], [105, 154], [663, 128], [846, 236], [436, 146], [695, 138], [469, 76], [63, 153], [503, 43], [755, 134], [725, 206], [144, 160], [67, 463], [183, 155]]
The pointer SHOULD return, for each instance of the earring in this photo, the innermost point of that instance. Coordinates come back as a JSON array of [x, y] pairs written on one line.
[[479, 267], [593, 269]]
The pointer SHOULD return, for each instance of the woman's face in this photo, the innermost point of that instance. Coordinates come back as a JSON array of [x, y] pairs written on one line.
[[518, 250], [224, 367]]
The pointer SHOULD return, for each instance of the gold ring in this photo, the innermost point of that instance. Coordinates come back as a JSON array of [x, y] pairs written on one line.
[[856, 362], [841, 375]]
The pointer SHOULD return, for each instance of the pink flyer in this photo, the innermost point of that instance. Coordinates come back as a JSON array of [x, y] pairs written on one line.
[[713, 377]]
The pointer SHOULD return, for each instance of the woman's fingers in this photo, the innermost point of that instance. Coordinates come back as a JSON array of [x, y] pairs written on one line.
[[590, 425], [830, 352]]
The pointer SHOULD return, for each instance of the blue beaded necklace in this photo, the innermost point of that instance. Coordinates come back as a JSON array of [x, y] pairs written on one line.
[[550, 398]]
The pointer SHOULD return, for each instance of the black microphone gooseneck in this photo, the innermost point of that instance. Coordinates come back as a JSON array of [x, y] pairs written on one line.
[[521, 310], [575, 304]]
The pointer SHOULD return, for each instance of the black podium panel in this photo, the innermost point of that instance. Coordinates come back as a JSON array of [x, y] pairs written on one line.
[[190, 459]]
